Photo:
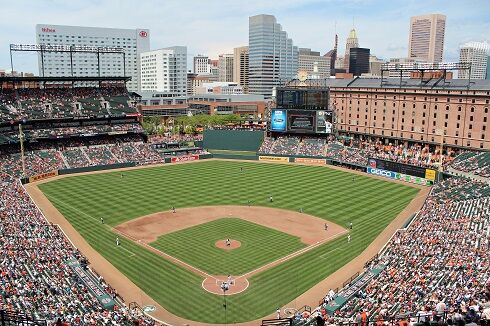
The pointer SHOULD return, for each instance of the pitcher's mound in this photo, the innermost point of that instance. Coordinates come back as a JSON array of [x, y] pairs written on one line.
[[223, 244]]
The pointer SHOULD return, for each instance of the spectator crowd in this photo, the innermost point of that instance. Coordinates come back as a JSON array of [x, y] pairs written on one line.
[[436, 270]]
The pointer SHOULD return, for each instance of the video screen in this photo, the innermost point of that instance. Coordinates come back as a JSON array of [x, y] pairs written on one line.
[[278, 120], [301, 121], [324, 121]]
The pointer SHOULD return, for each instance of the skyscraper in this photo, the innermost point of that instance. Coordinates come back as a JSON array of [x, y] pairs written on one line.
[[359, 61], [426, 39], [272, 57], [225, 68], [57, 64], [352, 42], [165, 70], [332, 55], [475, 53], [240, 67]]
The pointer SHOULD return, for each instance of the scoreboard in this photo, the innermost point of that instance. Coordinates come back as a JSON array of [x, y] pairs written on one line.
[[309, 99], [304, 111], [302, 121], [416, 171]]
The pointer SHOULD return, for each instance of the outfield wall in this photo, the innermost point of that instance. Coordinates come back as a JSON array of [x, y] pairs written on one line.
[[234, 140]]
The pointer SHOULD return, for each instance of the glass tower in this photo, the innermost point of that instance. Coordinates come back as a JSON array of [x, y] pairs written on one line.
[[272, 57]]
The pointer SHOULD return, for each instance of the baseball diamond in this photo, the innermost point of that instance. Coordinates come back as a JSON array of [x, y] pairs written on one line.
[[172, 273]]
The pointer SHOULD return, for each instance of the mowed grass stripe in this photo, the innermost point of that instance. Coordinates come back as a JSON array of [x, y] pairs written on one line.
[[368, 203], [259, 245]]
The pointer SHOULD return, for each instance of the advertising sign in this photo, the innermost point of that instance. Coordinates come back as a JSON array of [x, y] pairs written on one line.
[[382, 173], [186, 158], [42, 176], [274, 159], [311, 161], [278, 120], [430, 174]]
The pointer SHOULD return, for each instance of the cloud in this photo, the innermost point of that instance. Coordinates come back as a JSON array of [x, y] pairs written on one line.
[[215, 26]]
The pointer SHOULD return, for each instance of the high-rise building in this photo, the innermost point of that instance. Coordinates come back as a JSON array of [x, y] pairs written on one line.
[[359, 61], [272, 57], [240, 67], [225, 67], [475, 53], [426, 39], [313, 63], [332, 55], [488, 67], [57, 64], [164, 70], [352, 42], [201, 65]]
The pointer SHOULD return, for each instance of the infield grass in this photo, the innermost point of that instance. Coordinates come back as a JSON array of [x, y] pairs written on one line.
[[259, 245], [370, 204]]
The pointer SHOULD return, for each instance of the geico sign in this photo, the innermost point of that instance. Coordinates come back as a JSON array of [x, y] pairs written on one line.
[[382, 173]]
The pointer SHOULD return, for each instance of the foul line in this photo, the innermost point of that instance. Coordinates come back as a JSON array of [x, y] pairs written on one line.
[[89, 216], [193, 268], [294, 254]]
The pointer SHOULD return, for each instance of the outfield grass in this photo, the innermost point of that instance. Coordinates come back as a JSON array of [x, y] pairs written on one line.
[[259, 245], [371, 204]]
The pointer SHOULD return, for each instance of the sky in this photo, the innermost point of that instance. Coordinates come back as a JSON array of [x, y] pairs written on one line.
[[213, 27]]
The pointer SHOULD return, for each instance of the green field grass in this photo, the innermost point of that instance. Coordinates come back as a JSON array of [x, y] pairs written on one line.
[[334, 195], [259, 245]]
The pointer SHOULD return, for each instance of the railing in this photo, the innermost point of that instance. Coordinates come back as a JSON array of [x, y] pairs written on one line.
[[350, 279], [8, 318]]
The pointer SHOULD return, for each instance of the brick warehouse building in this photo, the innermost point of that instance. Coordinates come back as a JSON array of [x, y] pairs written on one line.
[[414, 111]]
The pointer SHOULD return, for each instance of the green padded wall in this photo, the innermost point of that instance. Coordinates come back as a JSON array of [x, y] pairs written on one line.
[[236, 140]]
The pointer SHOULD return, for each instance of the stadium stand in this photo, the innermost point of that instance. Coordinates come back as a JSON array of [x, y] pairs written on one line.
[[357, 152], [58, 103], [34, 274], [436, 270]]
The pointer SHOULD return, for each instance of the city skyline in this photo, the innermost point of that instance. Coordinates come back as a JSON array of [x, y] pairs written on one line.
[[382, 27]]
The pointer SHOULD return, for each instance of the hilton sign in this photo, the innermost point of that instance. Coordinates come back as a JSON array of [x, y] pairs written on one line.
[[48, 30]]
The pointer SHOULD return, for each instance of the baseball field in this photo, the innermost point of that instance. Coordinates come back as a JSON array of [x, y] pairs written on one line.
[[279, 247]]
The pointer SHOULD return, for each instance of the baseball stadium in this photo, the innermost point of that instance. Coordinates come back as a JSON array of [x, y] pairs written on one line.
[[288, 218]]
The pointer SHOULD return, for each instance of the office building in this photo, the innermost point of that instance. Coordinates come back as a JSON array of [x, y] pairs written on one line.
[[201, 65], [332, 55], [475, 53], [426, 38], [313, 63], [240, 67], [375, 65], [273, 59], [225, 67], [352, 42], [488, 67], [229, 88], [164, 70], [403, 62], [57, 64], [359, 61]]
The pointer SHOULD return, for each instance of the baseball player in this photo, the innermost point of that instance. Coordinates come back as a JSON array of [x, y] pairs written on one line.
[[101, 220], [348, 238], [117, 241]]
